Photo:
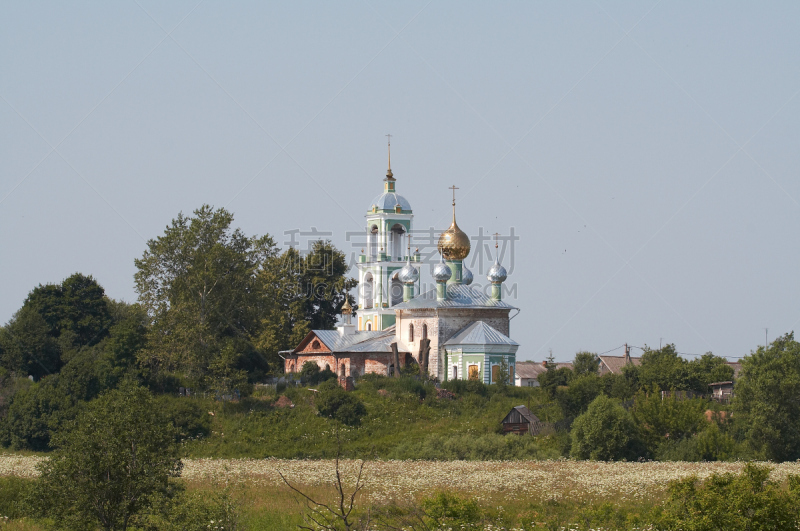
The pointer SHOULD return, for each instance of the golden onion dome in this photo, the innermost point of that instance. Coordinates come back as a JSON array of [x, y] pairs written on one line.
[[454, 243]]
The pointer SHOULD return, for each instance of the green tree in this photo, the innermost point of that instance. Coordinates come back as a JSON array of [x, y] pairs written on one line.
[[198, 284], [28, 345], [582, 390], [668, 419], [585, 363], [55, 321], [706, 370], [748, 501], [306, 290], [663, 368], [117, 458], [766, 407], [605, 432], [503, 374]]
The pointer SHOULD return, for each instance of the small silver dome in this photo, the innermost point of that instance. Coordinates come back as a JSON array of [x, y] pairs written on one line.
[[442, 272], [466, 275], [409, 274], [497, 273]]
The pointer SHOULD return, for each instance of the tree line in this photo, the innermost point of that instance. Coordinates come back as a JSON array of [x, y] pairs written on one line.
[[626, 416], [214, 308]]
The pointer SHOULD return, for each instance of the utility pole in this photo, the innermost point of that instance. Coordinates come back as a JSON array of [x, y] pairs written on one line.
[[627, 358]]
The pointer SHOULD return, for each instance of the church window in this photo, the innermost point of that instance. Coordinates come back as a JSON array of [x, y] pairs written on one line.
[[511, 374], [315, 345], [455, 373], [424, 331], [495, 373], [474, 372], [411, 332], [327, 367], [341, 371]]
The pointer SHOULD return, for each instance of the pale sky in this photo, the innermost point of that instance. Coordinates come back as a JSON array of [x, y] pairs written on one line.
[[645, 153]]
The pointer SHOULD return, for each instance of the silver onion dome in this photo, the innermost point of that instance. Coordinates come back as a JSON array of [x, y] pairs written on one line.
[[442, 272], [466, 275], [409, 274], [497, 273]]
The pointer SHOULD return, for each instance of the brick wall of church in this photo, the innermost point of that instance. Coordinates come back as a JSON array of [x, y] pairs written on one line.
[[363, 363], [442, 325]]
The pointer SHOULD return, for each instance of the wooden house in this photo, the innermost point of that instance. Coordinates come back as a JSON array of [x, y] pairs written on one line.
[[722, 391], [521, 421]]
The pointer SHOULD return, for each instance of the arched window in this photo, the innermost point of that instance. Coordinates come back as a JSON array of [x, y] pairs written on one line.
[[455, 373], [411, 332], [397, 242], [424, 331], [367, 291], [341, 371], [315, 345], [327, 367]]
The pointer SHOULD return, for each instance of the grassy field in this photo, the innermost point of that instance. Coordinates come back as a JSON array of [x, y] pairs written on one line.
[[511, 494], [401, 423]]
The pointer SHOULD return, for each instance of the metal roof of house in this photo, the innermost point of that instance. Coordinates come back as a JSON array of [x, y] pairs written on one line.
[[359, 341], [458, 296], [529, 369], [480, 333], [615, 363]]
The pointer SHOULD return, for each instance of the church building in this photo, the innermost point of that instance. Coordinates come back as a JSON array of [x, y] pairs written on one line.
[[455, 329]]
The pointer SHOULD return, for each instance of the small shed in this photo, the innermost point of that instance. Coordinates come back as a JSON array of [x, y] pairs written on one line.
[[521, 421]]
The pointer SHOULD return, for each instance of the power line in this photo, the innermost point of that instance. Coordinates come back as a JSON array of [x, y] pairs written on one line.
[[612, 350]]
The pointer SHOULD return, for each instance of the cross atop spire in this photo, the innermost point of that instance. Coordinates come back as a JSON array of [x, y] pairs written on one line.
[[454, 188]]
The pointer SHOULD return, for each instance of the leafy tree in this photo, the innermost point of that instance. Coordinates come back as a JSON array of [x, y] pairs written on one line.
[[728, 501], [622, 386], [663, 368], [28, 345], [553, 378], [706, 370], [668, 419], [311, 373], [307, 292], [54, 322], [585, 363], [503, 374], [198, 284], [766, 407], [34, 414], [581, 392], [120, 453], [605, 432]]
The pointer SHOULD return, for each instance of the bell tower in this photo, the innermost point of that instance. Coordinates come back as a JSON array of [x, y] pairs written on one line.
[[388, 225]]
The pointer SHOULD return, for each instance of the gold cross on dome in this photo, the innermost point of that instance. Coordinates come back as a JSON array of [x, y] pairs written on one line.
[[454, 188], [496, 235]]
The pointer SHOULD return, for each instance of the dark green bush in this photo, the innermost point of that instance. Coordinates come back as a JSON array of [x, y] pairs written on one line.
[[338, 404], [749, 500], [190, 418], [14, 495]]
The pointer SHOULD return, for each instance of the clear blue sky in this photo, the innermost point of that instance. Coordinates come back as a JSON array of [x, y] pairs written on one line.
[[645, 153]]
